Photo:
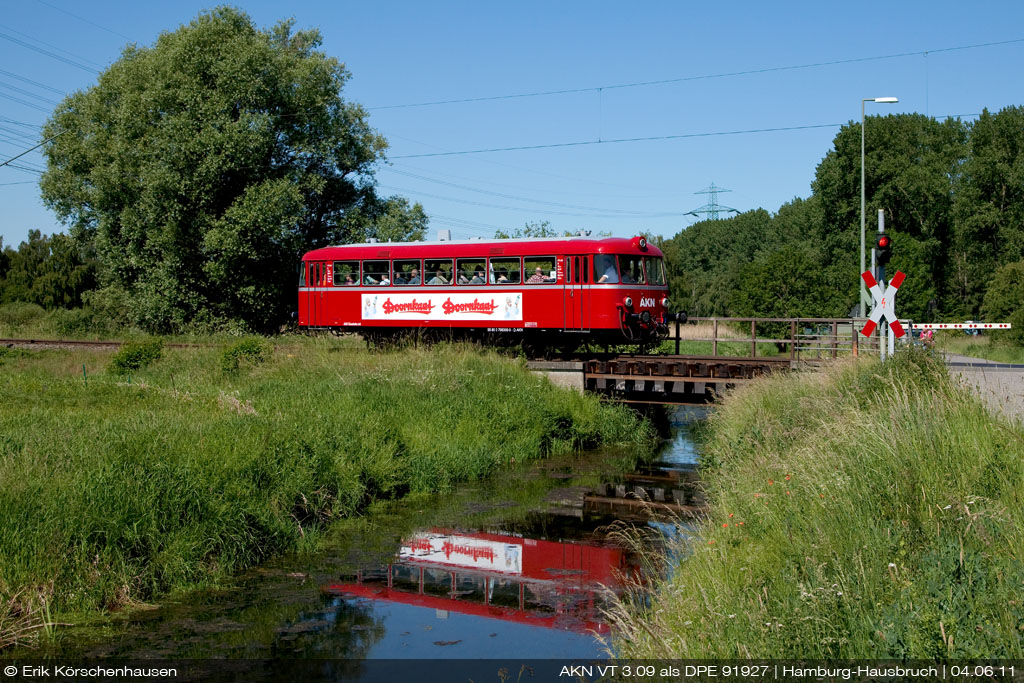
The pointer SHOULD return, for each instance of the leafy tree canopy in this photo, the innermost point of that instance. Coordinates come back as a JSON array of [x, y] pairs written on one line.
[[51, 272], [200, 168]]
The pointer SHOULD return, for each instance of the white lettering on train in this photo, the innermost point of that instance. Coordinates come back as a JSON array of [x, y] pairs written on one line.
[[647, 302]]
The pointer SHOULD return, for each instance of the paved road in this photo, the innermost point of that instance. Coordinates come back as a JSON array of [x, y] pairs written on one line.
[[1000, 385]]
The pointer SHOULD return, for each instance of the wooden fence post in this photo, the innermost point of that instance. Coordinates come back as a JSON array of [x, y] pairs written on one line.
[[753, 339], [714, 343]]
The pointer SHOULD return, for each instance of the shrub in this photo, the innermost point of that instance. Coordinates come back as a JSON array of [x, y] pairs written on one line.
[[19, 314], [76, 322], [1004, 300], [136, 355], [253, 349]]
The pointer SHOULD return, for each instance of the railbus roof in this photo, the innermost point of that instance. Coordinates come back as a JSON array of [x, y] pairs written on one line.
[[535, 246]]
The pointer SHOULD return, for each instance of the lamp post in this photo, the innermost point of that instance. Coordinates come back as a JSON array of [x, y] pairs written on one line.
[[863, 288]]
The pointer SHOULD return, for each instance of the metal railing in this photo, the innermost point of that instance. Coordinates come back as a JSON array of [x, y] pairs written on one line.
[[809, 339]]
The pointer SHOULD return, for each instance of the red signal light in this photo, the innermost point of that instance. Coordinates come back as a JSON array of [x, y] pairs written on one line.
[[883, 242]]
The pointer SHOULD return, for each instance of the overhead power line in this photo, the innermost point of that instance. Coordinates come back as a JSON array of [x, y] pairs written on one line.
[[71, 55], [31, 105], [506, 196], [32, 82], [619, 140], [53, 137], [683, 79], [595, 213], [52, 55], [91, 23]]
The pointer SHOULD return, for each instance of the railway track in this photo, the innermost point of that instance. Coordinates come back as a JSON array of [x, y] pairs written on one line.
[[78, 344]]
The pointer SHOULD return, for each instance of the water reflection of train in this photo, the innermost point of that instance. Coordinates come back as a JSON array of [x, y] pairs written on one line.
[[554, 584]]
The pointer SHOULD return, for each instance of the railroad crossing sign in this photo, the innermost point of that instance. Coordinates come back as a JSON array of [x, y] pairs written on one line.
[[885, 303]]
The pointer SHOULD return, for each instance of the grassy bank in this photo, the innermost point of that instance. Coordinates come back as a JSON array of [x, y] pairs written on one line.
[[993, 346], [119, 488], [863, 511]]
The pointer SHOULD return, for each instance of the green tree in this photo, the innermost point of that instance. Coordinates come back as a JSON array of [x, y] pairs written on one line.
[[783, 283], [1004, 300], [705, 258], [911, 164], [529, 230], [200, 168], [50, 271], [387, 220], [988, 211]]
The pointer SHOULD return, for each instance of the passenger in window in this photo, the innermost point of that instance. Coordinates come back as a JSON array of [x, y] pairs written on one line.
[[414, 278], [478, 277], [463, 280], [349, 280], [438, 279], [399, 280], [537, 277], [605, 265], [502, 277], [628, 279], [384, 280]]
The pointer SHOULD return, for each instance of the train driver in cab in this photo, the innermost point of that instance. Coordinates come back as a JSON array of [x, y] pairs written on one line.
[[605, 264]]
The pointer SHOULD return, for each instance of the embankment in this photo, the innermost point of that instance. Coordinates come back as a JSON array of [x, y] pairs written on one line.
[[118, 488], [860, 511]]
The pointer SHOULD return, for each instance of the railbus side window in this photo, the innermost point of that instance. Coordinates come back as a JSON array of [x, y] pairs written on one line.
[[605, 272], [505, 271], [655, 268], [539, 269], [471, 271], [376, 273], [302, 273], [586, 270], [632, 270], [408, 272], [346, 273], [438, 271], [575, 270]]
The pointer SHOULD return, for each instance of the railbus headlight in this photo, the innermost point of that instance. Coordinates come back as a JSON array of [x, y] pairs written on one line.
[[664, 301], [628, 301]]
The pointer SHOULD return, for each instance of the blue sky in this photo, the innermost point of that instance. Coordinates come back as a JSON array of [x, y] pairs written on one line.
[[402, 53]]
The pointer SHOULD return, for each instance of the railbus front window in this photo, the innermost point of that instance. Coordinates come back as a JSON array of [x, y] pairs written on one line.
[[302, 274], [631, 269], [505, 271], [655, 268], [438, 271], [346, 273], [471, 271], [408, 272], [539, 269], [605, 271], [376, 273]]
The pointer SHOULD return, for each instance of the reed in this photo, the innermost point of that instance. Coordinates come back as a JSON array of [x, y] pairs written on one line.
[[861, 511]]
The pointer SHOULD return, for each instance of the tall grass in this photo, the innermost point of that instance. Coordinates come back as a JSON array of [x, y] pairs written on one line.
[[861, 511], [114, 492], [993, 346]]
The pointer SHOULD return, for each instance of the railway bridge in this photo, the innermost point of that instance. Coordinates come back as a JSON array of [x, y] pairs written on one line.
[[668, 375]]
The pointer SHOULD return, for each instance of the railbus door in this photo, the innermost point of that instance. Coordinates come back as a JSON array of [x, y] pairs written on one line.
[[313, 294], [320, 277], [575, 306]]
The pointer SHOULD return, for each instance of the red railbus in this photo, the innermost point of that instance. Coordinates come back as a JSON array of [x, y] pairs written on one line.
[[546, 292]]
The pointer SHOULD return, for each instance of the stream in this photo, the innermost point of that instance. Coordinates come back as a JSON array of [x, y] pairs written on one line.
[[516, 566]]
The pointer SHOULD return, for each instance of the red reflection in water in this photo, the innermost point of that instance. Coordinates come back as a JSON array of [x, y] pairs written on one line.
[[532, 581]]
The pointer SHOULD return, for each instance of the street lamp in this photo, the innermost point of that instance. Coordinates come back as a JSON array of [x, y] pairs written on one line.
[[863, 288]]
